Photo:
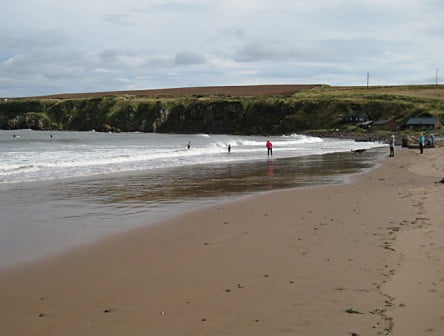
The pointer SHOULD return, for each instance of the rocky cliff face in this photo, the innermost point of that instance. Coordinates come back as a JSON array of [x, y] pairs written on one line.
[[211, 115]]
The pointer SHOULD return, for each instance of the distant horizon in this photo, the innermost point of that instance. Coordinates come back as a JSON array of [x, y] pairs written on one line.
[[166, 90]]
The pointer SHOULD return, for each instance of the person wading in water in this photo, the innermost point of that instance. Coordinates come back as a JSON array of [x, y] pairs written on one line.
[[269, 146]]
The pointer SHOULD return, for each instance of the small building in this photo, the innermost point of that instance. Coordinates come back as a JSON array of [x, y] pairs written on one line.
[[355, 118], [386, 125], [366, 124], [423, 123]]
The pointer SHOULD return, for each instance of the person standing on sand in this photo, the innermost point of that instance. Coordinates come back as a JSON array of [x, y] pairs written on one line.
[[229, 148], [421, 143], [392, 146], [269, 146]]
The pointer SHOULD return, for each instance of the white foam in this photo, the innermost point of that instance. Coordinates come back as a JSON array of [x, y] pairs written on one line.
[[76, 154]]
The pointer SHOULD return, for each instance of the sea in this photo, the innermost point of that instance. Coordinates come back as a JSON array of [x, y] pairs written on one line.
[[62, 189]]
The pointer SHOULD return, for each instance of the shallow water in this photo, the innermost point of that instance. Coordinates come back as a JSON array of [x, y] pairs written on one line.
[[28, 156], [42, 218]]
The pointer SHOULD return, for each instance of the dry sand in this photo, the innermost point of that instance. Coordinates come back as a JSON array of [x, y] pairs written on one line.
[[417, 287], [362, 258]]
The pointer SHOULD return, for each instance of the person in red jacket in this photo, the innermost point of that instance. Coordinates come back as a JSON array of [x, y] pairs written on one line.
[[269, 146]]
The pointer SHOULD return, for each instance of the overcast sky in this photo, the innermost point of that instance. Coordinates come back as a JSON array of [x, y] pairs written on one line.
[[49, 46]]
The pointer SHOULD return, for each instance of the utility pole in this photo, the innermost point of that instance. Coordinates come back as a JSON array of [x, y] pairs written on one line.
[[368, 78]]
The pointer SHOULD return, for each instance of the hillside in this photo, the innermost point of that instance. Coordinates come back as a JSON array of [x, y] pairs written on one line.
[[225, 91], [264, 109]]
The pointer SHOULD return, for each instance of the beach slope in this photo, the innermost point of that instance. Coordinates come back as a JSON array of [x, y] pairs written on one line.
[[330, 260]]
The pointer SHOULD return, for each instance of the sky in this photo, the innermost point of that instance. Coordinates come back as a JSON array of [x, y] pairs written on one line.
[[49, 46]]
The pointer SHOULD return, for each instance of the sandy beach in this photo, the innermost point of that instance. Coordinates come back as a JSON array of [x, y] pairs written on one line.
[[363, 258]]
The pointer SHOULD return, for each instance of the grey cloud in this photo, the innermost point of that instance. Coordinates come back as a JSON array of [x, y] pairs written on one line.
[[109, 55], [364, 50], [44, 66], [122, 59], [174, 7], [255, 52], [69, 70], [41, 54], [323, 51], [115, 56], [119, 19], [236, 32], [32, 41], [264, 51], [159, 63], [189, 59]]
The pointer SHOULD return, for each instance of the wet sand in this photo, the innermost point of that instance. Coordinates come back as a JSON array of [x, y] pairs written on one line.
[[363, 258]]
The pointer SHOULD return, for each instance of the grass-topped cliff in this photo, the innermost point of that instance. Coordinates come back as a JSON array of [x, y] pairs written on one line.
[[273, 109]]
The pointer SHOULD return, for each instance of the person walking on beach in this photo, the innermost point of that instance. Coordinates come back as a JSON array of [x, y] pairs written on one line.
[[229, 148], [421, 143], [269, 146], [392, 146]]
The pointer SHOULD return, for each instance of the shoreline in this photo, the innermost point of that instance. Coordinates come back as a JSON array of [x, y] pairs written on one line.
[[316, 260], [62, 215]]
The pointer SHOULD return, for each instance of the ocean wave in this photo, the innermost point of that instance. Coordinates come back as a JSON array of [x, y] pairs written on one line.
[[17, 169], [78, 154]]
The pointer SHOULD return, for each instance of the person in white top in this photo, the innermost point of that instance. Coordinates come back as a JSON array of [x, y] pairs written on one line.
[[392, 146]]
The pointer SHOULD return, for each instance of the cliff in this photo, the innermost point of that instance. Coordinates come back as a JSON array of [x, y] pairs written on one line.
[[313, 108]]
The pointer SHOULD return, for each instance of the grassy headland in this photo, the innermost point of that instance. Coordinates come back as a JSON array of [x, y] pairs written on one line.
[[265, 109]]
